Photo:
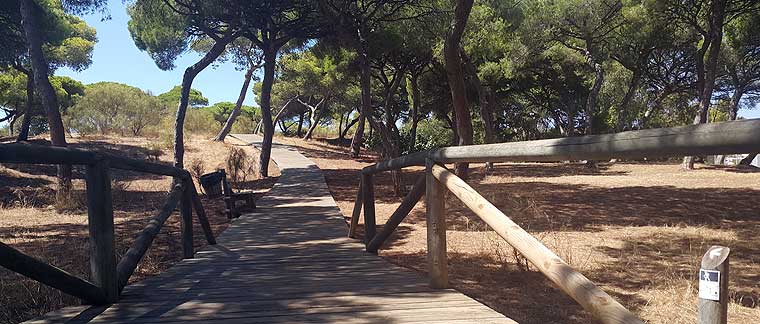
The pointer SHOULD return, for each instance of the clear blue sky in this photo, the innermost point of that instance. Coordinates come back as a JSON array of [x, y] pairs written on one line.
[[117, 59]]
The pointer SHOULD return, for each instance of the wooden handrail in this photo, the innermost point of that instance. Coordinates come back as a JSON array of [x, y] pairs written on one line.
[[577, 286], [109, 278], [132, 258], [30, 267], [742, 136], [398, 215], [41, 154]]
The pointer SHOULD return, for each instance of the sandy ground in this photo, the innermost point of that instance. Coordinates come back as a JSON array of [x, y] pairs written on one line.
[[637, 230], [33, 221]]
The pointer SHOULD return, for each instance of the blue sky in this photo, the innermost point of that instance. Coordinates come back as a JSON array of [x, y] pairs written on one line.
[[117, 59]]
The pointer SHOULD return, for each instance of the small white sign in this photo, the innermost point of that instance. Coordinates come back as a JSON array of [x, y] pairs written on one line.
[[709, 284]]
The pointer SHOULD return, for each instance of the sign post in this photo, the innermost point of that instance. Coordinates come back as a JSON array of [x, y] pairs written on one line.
[[713, 286]]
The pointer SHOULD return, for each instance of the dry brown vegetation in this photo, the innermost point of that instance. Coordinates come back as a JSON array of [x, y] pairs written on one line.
[[637, 230], [55, 230]]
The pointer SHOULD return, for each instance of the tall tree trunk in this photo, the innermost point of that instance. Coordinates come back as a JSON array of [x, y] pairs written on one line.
[[633, 85], [733, 113], [366, 97], [187, 82], [455, 75], [40, 70], [416, 100], [714, 39], [238, 106], [270, 60], [276, 117], [590, 108], [300, 123], [340, 125], [593, 96], [315, 115], [348, 127], [23, 134]]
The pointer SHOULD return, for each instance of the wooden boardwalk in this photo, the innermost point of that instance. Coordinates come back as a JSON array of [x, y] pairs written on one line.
[[289, 262]]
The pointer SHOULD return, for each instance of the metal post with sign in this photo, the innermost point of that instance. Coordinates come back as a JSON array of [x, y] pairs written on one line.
[[713, 286]]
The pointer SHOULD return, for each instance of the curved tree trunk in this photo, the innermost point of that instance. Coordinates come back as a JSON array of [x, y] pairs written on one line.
[[46, 92], [270, 60], [238, 105], [315, 114], [23, 134], [348, 127], [300, 123], [456, 78], [366, 98], [187, 82], [416, 97], [622, 122], [710, 67]]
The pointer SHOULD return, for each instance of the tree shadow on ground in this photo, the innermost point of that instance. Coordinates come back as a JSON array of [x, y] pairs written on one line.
[[520, 295], [543, 206], [544, 170]]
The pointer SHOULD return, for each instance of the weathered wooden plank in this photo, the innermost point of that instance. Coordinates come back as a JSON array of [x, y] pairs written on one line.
[[30, 267], [413, 159], [132, 258], [42, 154], [704, 139], [731, 137], [118, 162], [399, 214], [436, 229], [100, 225], [573, 283], [288, 262]]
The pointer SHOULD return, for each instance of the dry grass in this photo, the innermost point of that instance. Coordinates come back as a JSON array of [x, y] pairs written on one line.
[[637, 230], [33, 220]]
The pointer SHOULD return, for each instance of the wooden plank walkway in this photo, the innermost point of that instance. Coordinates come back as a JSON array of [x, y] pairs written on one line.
[[289, 262]]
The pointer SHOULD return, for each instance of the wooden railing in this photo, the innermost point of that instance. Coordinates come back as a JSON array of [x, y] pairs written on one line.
[[707, 139], [108, 277]]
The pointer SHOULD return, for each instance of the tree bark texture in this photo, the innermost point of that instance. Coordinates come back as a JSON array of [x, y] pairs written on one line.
[[366, 98], [270, 60], [23, 133], [40, 70], [455, 75], [708, 66], [187, 82], [238, 106]]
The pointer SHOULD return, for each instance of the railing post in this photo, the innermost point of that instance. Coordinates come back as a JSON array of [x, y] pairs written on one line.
[[356, 212], [368, 193], [100, 223], [186, 211], [713, 286], [436, 229]]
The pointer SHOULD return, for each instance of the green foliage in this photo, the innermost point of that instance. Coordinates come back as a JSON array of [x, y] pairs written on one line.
[[109, 107], [13, 97], [171, 98], [159, 30]]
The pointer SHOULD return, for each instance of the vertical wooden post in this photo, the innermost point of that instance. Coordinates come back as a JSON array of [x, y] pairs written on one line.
[[100, 224], [186, 211], [713, 286], [356, 212], [436, 229], [368, 193]]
